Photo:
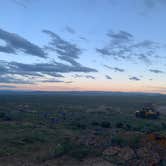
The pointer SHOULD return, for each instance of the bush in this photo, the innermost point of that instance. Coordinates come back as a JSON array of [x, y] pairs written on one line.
[[2, 114], [131, 141], [59, 150], [7, 118], [95, 124], [79, 152], [151, 128], [118, 140], [119, 125], [81, 126], [128, 127], [163, 125], [105, 124], [74, 150]]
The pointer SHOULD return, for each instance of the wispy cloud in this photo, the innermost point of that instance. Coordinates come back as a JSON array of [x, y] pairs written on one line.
[[62, 47], [70, 30], [10, 71], [120, 37], [153, 3], [108, 77], [67, 51], [15, 43], [7, 86], [134, 78], [14, 80], [156, 71], [123, 46], [90, 77], [21, 3], [83, 38], [22, 73], [116, 69], [84, 76]]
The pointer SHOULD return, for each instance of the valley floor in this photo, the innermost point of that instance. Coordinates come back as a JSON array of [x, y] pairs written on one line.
[[57, 130]]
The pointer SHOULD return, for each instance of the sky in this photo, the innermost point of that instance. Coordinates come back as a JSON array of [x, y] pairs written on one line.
[[83, 45]]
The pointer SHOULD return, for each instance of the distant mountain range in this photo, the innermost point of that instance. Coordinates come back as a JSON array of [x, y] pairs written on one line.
[[76, 93]]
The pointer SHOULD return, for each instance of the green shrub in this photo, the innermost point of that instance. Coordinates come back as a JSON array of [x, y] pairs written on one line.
[[59, 150], [7, 118], [79, 152], [163, 125], [119, 125], [131, 141], [78, 125], [128, 127], [81, 126], [105, 124], [95, 123], [2, 114], [118, 140], [72, 149]]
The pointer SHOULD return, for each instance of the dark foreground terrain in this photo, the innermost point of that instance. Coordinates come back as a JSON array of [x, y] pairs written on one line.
[[58, 129]]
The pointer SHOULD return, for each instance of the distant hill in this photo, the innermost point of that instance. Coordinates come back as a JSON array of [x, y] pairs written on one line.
[[76, 93]]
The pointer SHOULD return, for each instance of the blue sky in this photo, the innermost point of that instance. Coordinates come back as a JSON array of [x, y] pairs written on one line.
[[109, 45]]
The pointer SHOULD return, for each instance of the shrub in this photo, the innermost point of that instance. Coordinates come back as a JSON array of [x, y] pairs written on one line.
[[79, 152], [81, 126], [76, 151], [105, 124], [2, 114], [118, 140], [7, 118], [119, 125], [131, 141], [128, 127], [59, 150], [163, 125], [95, 124]]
